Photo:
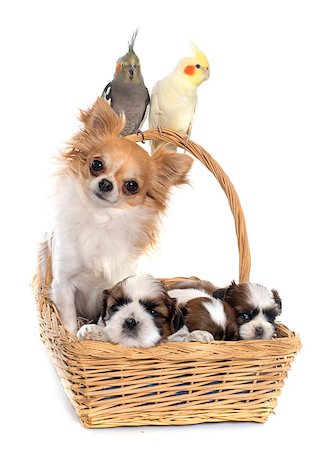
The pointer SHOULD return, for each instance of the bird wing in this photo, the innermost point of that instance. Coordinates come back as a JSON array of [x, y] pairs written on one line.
[[107, 92], [155, 112], [146, 108], [189, 130]]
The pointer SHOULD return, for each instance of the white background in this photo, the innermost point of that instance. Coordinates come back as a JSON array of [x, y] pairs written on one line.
[[256, 116]]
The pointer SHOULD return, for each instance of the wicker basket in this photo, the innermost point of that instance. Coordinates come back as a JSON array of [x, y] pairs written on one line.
[[172, 383]]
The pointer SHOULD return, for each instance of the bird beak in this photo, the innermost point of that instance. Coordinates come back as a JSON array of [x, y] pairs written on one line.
[[206, 73], [131, 72]]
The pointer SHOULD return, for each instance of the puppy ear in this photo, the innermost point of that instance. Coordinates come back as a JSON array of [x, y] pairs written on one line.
[[104, 303], [184, 311], [220, 293], [168, 169], [278, 301], [177, 321], [176, 317], [225, 293], [101, 118]]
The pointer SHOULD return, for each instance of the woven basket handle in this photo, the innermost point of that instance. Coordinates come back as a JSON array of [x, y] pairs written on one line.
[[167, 135]]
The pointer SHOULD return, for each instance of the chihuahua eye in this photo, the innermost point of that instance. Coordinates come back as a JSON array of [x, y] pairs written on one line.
[[96, 166], [131, 186]]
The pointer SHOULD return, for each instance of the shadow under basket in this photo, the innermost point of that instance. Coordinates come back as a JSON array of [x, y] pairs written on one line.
[[176, 383]]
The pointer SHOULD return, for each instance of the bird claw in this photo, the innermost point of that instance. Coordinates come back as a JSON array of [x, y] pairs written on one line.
[[142, 136]]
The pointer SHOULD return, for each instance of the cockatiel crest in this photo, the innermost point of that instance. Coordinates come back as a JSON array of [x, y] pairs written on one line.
[[174, 98], [128, 67], [127, 93]]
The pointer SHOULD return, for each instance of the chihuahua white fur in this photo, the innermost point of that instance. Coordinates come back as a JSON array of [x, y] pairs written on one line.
[[88, 250]]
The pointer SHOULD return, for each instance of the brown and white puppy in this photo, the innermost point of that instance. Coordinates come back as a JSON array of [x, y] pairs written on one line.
[[137, 312], [256, 307], [206, 318]]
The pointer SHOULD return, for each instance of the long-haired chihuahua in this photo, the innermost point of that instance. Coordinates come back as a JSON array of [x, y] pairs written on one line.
[[108, 200]]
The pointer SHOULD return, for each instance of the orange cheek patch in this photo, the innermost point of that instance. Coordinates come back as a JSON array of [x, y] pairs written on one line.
[[189, 70], [118, 68]]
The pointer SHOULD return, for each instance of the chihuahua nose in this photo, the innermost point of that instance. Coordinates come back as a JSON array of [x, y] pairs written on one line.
[[130, 323], [105, 185]]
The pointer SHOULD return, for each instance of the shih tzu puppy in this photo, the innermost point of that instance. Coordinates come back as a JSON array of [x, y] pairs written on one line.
[[136, 312], [142, 311], [206, 318], [108, 199], [256, 308]]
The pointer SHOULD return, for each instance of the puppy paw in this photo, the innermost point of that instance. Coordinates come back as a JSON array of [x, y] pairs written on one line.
[[199, 336], [92, 332]]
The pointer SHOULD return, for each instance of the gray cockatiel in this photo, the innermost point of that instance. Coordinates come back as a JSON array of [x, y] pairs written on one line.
[[127, 91]]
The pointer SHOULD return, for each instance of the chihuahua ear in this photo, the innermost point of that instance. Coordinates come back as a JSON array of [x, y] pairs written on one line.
[[278, 301], [101, 118], [168, 169]]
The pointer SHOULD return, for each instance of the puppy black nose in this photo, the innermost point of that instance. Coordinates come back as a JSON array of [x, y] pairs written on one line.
[[259, 331], [105, 185], [130, 323]]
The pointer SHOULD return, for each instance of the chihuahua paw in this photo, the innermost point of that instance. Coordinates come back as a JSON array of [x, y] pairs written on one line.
[[92, 332], [199, 336]]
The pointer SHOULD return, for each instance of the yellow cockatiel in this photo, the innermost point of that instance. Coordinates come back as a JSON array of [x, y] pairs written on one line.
[[174, 98]]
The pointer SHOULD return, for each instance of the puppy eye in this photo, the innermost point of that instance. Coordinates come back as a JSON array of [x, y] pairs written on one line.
[[114, 308], [131, 186], [155, 313], [246, 316], [270, 316], [96, 165], [119, 304], [198, 66]]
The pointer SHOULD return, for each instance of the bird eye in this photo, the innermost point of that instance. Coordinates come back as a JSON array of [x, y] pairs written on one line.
[[198, 66], [123, 65], [131, 186], [96, 166]]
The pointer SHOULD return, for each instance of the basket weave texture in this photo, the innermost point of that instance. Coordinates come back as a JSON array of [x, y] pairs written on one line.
[[176, 383]]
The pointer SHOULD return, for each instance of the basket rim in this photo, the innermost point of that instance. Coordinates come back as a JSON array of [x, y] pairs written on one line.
[[191, 351]]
